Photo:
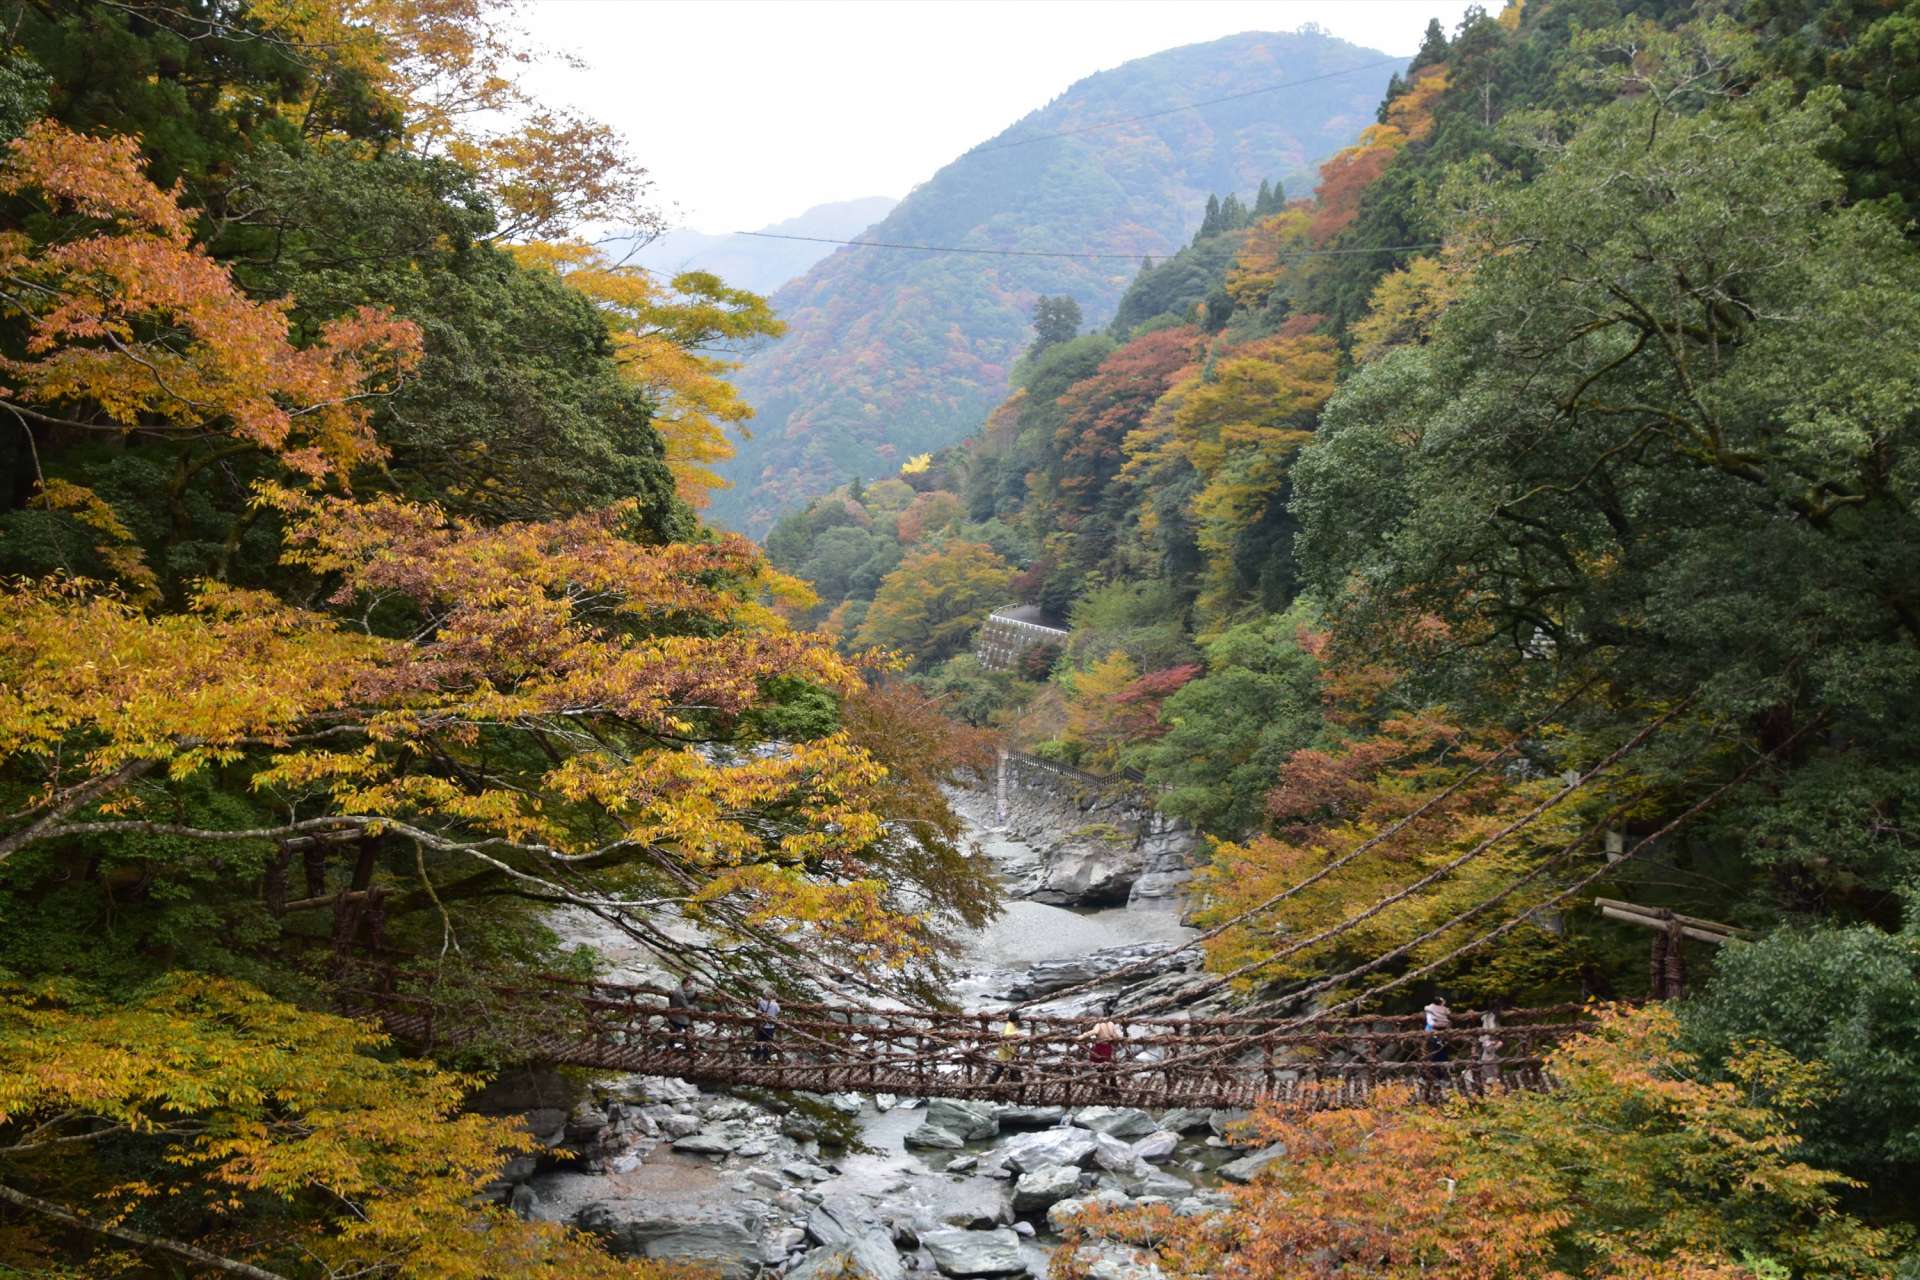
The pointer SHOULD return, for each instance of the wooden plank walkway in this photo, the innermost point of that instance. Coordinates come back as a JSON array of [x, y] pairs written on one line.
[[1164, 1062]]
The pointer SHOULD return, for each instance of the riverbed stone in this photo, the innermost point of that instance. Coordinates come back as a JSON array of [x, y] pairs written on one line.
[[704, 1144], [974, 1204], [1116, 1156], [725, 1239], [933, 1137], [975, 1253], [834, 1223], [1117, 1122], [1159, 1183], [1186, 1119], [1157, 1146], [679, 1124], [1106, 1198], [1030, 1151], [1246, 1168], [870, 1255], [1045, 1187], [972, 1121], [1229, 1124], [1014, 1116]]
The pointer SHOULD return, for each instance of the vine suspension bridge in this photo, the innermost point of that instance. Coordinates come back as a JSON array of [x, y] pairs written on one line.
[[1162, 1062]]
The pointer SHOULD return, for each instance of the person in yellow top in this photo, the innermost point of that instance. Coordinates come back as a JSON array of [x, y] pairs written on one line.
[[1006, 1058]]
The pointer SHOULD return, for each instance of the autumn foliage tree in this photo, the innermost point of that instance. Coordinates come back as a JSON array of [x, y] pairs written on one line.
[[1640, 1167]]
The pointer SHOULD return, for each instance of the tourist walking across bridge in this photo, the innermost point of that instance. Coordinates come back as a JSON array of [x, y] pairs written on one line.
[[1439, 1022], [768, 1011], [1106, 1037], [1006, 1058]]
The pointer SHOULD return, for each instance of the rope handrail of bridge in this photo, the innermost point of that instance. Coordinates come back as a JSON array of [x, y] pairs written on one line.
[[929, 1053]]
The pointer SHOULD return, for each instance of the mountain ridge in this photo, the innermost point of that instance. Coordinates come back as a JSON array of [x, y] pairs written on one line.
[[891, 353]]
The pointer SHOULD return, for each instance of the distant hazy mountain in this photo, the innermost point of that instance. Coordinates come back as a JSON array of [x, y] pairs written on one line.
[[765, 265], [893, 352]]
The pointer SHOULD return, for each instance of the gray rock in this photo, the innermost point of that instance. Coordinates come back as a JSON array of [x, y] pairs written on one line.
[[1157, 1146], [931, 1137], [1159, 884], [973, 1203], [1228, 1124], [731, 1109], [703, 1144], [799, 1127], [1030, 1151], [1246, 1168], [1062, 1210], [870, 1256], [658, 1089], [802, 1171], [885, 1101], [1024, 1230], [724, 1239], [679, 1124], [975, 1253], [523, 1202], [790, 1239], [1116, 1156], [1117, 1122], [767, 1178], [1045, 1187], [972, 1121], [834, 1223], [1013, 1116], [847, 1104], [1186, 1119], [1165, 1184], [963, 1164]]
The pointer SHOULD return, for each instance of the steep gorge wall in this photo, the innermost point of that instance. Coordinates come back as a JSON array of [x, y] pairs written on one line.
[[1101, 841]]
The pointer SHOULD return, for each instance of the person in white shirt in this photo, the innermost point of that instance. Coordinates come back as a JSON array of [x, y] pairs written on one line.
[[1439, 1020]]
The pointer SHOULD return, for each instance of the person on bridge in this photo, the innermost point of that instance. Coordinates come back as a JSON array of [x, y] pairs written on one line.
[[768, 1010], [1439, 1022], [680, 1017], [1106, 1037], [1006, 1058]]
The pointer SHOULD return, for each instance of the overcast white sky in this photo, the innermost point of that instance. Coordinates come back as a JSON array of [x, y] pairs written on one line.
[[750, 111]]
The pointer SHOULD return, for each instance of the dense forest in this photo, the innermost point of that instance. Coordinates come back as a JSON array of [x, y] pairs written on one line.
[[891, 353], [356, 614], [1519, 517]]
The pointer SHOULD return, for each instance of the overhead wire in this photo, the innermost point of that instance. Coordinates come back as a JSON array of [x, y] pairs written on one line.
[[1365, 846], [1133, 256], [1030, 139]]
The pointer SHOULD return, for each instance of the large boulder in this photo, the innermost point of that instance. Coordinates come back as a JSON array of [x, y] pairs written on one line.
[[1014, 1116], [1030, 1151], [975, 1253], [1063, 1211], [1045, 1187], [933, 1137], [975, 1203], [1246, 1168], [725, 1240], [972, 1121], [1095, 873], [1116, 1156], [834, 1223], [704, 1144], [870, 1255], [1157, 1146], [1186, 1119], [1115, 1122]]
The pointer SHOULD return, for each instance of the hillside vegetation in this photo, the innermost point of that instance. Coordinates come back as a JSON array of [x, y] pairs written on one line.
[[889, 353], [1525, 515]]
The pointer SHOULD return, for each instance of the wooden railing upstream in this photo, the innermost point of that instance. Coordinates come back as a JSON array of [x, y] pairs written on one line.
[[1162, 1062]]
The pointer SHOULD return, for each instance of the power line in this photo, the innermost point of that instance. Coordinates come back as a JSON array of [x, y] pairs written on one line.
[[944, 248], [1191, 106], [1061, 253]]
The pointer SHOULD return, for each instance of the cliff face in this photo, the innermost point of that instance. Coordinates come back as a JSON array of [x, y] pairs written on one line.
[[894, 352]]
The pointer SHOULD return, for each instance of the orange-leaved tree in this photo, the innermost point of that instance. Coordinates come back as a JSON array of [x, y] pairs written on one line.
[[1638, 1167]]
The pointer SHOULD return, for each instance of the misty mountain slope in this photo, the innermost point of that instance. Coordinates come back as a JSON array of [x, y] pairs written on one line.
[[764, 265], [893, 352]]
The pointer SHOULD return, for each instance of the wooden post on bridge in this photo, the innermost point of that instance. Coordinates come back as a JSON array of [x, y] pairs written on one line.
[[1667, 966], [1489, 1051]]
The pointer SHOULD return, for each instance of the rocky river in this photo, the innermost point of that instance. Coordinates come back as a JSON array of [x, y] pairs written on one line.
[[812, 1187]]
